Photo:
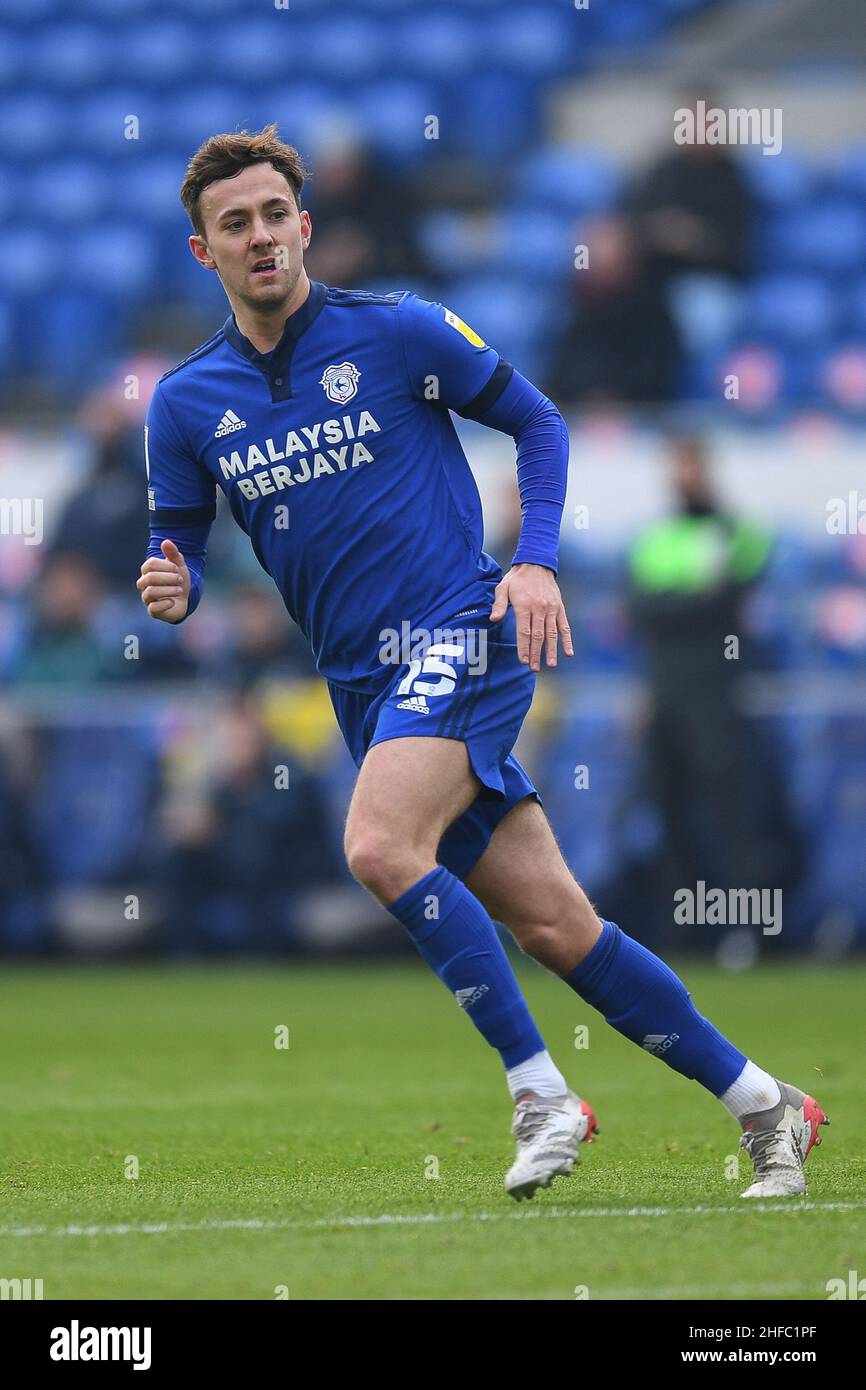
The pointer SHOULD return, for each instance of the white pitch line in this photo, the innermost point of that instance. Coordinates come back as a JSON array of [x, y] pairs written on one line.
[[424, 1219]]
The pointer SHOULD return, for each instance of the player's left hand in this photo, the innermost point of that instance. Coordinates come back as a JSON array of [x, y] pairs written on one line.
[[534, 595]]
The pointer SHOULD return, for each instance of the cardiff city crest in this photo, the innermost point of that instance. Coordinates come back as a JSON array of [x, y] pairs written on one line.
[[340, 382]]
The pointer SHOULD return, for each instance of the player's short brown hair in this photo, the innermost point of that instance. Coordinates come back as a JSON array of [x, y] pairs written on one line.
[[223, 156]]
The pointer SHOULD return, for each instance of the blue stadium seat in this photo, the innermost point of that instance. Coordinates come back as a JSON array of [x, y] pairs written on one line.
[[71, 335], [32, 123], [7, 334], [537, 242], [393, 112], [10, 178], [302, 110], [72, 56], [828, 237], [32, 259], [94, 803], [681, 9], [851, 173], [437, 44], [71, 191], [855, 306], [123, 9], [150, 186], [567, 180], [104, 121], [182, 278], [32, 12], [209, 10], [622, 25], [779, 181], [493, 117], [512, 315], [113, 258], [162, 52], [708, 310], [453, 242], [343, 48], [536, 42], [459, 243], [15, 49], [255, 49], [802, 375], [190, 114], [791, 309]]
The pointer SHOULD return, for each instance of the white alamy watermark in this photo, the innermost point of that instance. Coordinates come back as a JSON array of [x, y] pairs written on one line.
[[739, 125], [434, 650], [854, 1287], [22, 516], [846, 516], [21, 1289], [729, 907], [77, 1343]]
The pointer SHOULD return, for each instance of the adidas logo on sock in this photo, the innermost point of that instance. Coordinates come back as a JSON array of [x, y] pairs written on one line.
[[228, 424], [416, 703], [659, 1042], [465, 997]]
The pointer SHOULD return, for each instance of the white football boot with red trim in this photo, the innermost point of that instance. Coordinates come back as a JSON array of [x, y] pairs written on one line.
[[549, 1131], [778, 1141]]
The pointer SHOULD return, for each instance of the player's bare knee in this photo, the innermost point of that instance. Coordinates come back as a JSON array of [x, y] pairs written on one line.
[[555, 934], [385, 865]]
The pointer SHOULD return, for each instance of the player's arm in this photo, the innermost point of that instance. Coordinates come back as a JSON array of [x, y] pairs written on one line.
[[181, 507], [530, 586], [445, 355]]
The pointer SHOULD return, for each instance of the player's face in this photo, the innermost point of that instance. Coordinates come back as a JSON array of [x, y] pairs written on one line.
[[255, 236]]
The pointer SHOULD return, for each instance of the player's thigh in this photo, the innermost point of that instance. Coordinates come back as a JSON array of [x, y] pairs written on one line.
[[524, 882], [410, 790]]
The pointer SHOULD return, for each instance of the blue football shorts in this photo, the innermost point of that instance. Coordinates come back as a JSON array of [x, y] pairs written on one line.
[[471, 686]]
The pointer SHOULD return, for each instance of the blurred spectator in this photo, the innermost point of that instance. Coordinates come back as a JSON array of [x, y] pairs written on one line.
[[263, 642], [21, 914], [61, 647], [106, 519], [621, 344], [245, 847], [692, 211], [363, 220], [721, 795]]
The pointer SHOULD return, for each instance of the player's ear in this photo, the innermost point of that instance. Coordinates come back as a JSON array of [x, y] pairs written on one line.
[[306, 229], [198, 247]]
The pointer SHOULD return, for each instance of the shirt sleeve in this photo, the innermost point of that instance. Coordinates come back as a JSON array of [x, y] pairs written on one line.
[[541, 436], [181, 494], [446, 360]]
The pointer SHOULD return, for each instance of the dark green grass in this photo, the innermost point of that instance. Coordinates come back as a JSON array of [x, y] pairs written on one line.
[[383, 1075]]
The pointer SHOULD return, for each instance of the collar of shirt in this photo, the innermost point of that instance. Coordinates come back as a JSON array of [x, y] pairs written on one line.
[[275, 364]]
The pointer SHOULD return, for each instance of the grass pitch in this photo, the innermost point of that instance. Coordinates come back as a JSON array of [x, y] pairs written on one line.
[[366, 1159]]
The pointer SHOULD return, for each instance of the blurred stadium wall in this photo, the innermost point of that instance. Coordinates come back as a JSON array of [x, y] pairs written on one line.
[[697, 310]]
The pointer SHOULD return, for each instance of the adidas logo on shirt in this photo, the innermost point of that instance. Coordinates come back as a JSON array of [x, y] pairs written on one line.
[[228, 424], [416, 703]]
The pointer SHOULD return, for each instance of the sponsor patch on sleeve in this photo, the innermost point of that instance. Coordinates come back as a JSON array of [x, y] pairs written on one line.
[[468, 333]]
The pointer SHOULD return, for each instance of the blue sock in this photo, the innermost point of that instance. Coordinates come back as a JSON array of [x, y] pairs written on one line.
[[642, 998], [458, 940]]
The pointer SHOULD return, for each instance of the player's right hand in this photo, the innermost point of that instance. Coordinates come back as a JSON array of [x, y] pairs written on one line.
[[164, 584]]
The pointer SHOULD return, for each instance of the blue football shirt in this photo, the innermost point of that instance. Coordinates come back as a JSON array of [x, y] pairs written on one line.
[[338, 457]]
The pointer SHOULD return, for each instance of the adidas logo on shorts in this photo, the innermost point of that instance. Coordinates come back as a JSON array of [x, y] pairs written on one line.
[[416, 703]]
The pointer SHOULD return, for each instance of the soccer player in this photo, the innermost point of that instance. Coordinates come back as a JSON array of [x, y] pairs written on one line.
[[323, 414]]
